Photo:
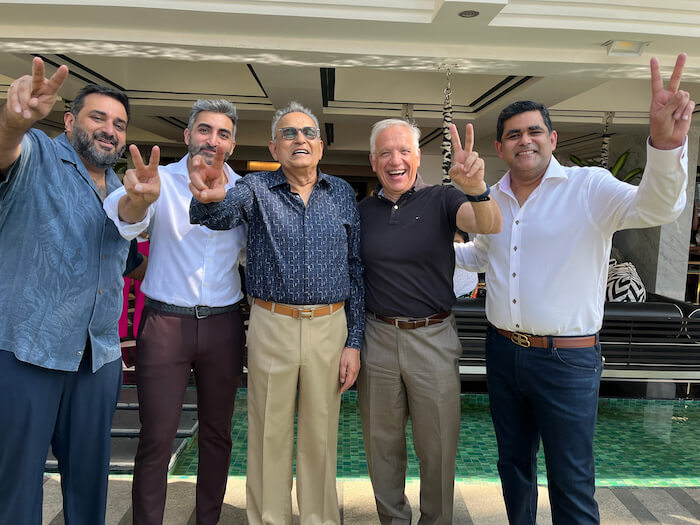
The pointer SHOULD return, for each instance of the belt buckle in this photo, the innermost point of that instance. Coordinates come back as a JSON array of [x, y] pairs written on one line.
[[520, 339], [205, 312], [305, 313]]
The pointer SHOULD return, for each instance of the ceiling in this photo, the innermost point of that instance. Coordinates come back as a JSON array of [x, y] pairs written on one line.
[[356, 62]]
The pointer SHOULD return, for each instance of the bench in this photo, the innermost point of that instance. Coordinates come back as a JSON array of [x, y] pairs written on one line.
[[654, 341]]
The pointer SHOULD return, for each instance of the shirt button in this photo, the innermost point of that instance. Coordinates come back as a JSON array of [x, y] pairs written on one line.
[[99, 291], [103, 256], [517, 325], [396, 206], [515, 301], [80, 353], [514, 274], [515, 248], [517, 222]]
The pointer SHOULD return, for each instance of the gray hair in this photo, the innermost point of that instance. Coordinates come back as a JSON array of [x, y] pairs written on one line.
[[390, 123], [215, 106], [292, 107]]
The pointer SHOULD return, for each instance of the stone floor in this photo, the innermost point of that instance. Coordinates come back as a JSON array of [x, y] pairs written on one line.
[[478, 504], [647, 466]]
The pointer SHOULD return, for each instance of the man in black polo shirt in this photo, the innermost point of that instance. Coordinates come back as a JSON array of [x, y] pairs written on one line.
[[410, 349]]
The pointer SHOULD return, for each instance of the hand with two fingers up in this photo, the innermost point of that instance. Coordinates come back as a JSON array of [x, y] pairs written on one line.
[[142, 185], [467, 169], [671, 109], [31, 98], [208, 181]]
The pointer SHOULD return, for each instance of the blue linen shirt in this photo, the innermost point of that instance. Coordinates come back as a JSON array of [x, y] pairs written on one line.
[[296, 254], [62, 259]]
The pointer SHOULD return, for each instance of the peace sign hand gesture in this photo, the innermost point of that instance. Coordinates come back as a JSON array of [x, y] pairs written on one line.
[[31, 98], [467, 169], [142, 183], [208, 181], [671, 109]]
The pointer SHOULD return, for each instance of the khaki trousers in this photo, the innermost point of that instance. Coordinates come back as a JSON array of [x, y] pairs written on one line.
[[286, 356], [411, 373]]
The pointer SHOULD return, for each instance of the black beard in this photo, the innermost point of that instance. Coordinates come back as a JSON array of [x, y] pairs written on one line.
[[86, 148]]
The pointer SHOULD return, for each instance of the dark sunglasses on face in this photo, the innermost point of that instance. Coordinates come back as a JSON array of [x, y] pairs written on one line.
[[291, 133]]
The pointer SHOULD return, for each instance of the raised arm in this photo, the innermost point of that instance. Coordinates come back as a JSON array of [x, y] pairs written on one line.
[[671, 109], [467, 172], [29, 99], [213, 206], [142, 185]]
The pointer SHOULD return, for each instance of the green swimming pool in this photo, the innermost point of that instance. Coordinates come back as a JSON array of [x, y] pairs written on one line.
[[638, 443]]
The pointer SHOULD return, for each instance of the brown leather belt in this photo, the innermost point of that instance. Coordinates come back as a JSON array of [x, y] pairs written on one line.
[[299, 311], [410, 324], [542, 341]]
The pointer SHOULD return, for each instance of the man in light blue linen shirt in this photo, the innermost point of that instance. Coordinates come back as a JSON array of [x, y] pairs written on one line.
[[60, 296]]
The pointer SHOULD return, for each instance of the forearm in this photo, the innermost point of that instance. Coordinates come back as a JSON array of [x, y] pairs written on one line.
[[355, 304], [223, 215], [11, 134], [480, 217], [660, 197], [488, 217], [355, 313], [130, 211], [128, 230]]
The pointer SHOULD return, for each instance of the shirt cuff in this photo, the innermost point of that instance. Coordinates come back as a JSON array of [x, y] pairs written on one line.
[[126, 229]]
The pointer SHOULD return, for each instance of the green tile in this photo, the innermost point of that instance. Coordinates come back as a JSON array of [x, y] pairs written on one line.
[[638, 443]]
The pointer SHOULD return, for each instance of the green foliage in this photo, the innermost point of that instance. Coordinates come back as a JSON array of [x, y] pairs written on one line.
[[633, 176]]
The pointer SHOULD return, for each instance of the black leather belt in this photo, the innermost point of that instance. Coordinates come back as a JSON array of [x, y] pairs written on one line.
[[200, 312]]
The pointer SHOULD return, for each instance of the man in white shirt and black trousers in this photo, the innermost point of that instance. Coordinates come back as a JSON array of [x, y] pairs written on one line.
[[545, 279], [191, 318]]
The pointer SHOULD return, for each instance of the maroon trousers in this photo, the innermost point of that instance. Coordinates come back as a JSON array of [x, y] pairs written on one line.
[[168, 346]]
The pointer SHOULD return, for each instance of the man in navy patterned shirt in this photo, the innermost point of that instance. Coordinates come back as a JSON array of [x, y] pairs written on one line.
[[307, 319]]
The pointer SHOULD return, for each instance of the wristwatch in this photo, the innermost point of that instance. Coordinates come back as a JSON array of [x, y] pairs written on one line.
[[480, 198]]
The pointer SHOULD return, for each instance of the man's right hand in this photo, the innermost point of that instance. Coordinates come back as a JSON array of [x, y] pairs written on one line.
[[142, 185], [31, 98], [208, 181]]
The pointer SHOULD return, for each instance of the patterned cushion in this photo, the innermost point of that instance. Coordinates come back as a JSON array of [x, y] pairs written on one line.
[[624, 284]]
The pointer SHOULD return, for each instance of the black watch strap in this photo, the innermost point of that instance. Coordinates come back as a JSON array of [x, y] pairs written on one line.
[[480, 198]]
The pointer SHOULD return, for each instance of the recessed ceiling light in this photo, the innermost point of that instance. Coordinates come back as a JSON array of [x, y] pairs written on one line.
[[619, 48], [468, 14]]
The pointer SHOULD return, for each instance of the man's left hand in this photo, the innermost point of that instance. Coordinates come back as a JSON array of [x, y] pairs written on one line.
[[671, 109], [349, 367], [467, 169]]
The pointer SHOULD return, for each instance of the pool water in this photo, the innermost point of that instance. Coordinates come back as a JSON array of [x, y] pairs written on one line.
[[638, 443]]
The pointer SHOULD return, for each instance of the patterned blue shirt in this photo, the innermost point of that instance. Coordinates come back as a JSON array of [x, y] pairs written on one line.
[[296, 254], [62, 259]]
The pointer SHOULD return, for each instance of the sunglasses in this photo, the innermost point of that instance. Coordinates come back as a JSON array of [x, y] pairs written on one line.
[[291, 133]]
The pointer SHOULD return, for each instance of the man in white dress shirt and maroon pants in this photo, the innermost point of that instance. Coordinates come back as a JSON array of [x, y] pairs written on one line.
[[545, 278], [191, 319]]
